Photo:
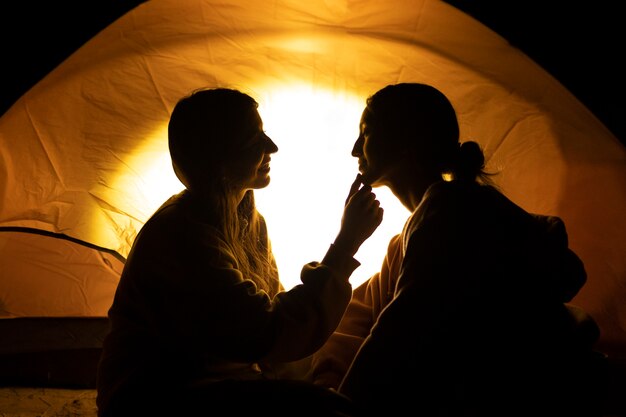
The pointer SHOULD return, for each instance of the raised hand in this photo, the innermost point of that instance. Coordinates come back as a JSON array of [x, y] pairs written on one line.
[[362, 215]]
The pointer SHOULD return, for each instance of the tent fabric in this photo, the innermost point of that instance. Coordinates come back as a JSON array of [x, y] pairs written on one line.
[[78, 150]]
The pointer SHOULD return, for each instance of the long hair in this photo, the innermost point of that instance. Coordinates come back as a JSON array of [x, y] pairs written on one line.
[[423, 116], [205, 133]]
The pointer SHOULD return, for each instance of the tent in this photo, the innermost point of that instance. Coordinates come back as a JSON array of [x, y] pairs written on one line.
[[83, 154]]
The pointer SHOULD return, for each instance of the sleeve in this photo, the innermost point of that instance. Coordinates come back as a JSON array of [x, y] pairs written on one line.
[[420, 304], [204, 301], [566, 270], [330, 363]]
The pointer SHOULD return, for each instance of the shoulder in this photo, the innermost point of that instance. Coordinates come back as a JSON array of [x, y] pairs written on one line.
[[443, 200], [170, 219], [176, 228], [554, 227], [458, 196]]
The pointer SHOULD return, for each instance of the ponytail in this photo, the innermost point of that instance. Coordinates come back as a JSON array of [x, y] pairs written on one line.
[[469, 164]]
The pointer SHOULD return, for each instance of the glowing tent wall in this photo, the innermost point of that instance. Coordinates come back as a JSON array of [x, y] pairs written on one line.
[[79, 151]]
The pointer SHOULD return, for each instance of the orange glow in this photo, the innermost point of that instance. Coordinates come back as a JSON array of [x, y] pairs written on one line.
[[156, 181], [311, 174], [84, 151]]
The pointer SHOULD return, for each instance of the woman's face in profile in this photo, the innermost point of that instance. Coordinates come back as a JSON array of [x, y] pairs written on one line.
[[250, 166], [372, 148]]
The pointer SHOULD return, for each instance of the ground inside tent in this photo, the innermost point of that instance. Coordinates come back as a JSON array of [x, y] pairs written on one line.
[[48, 402], [67, 402], [48, 365]]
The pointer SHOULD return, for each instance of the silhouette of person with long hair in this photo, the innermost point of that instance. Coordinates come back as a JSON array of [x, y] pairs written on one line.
[[469, 314], [200, 321]]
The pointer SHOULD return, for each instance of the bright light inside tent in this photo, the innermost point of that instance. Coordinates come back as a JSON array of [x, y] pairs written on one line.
[[152, 180], [311, 174], [167, 185], [146, 181]]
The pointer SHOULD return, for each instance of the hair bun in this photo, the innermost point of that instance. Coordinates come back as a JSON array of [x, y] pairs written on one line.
[[471, 160]]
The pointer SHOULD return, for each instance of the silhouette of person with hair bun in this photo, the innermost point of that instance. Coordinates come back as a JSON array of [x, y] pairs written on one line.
[[469, 314]]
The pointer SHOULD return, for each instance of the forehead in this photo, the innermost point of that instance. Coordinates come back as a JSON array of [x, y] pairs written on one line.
[[249, 121], [253, 118], [251, 125], [367, 117]]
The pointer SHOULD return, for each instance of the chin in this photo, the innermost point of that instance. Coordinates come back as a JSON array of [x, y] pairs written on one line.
[[262, 182]]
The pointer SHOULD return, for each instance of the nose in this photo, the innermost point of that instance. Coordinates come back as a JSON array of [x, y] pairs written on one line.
[[270, 146], [357, 149]]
